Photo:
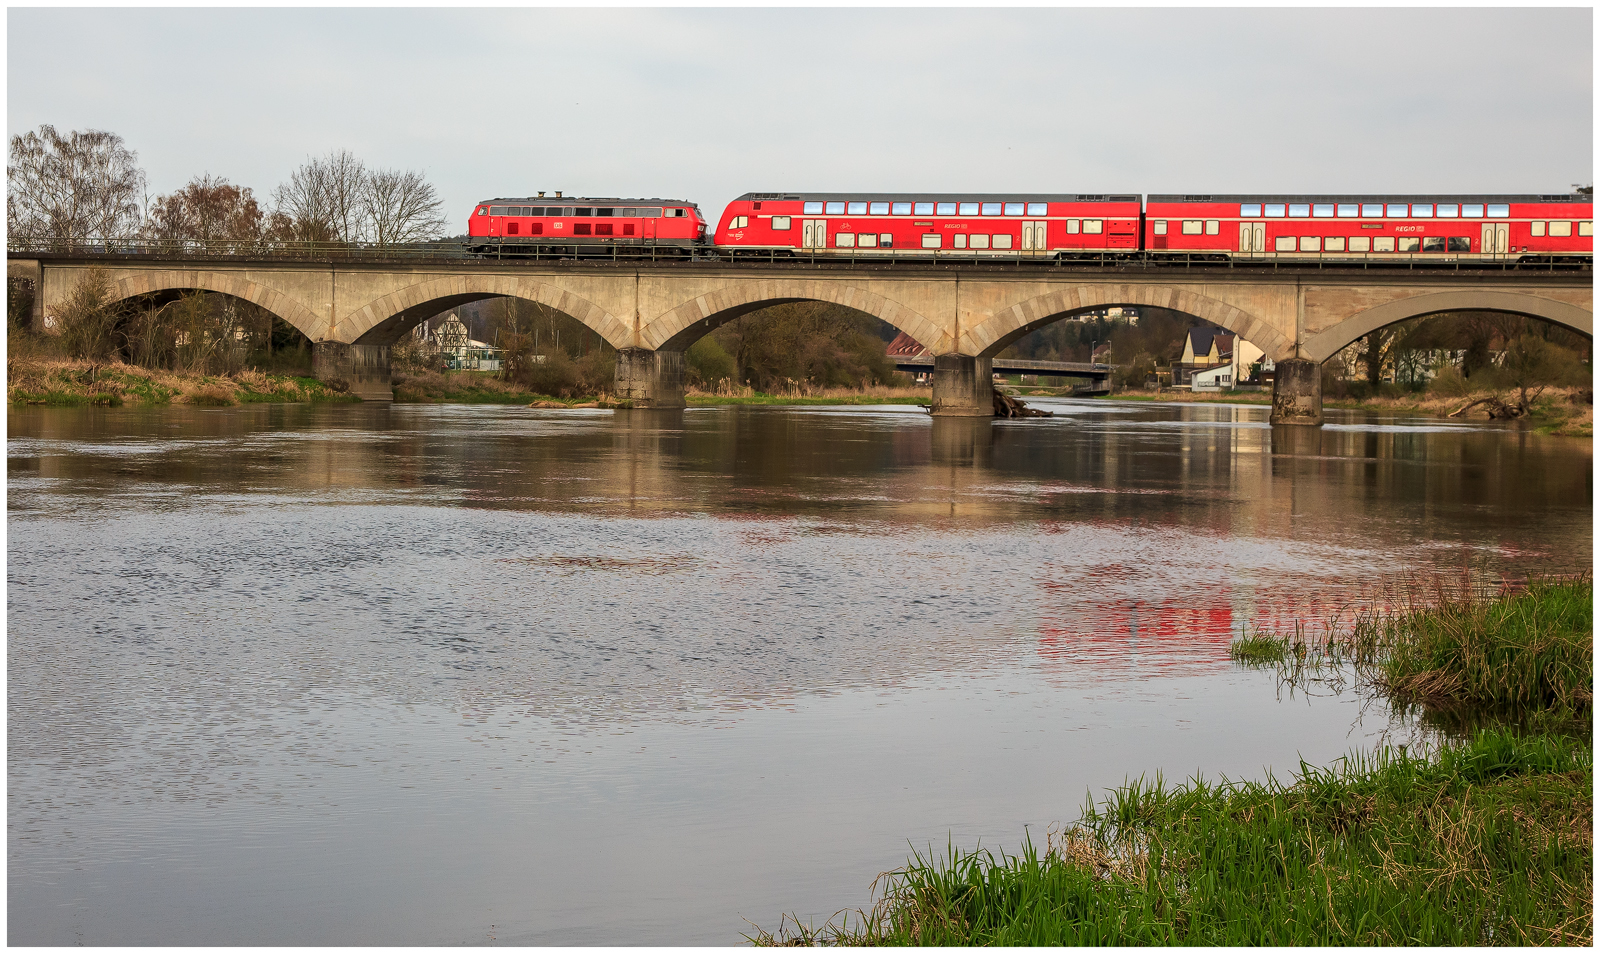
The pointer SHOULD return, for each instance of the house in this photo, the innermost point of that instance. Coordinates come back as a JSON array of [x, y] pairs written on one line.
[[457, 350], [1219, 378], [1208, 348]]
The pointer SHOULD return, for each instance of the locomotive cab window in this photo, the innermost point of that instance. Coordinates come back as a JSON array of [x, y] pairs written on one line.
[[483, 210], [780, 223], [739, 222]]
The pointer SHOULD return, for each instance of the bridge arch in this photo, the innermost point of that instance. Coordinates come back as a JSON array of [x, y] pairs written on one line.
[[226, 283], [1324, 345], [383, 320], [679, 327], [991, 336]]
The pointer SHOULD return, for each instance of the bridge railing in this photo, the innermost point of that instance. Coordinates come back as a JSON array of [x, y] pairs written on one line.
[[456, 252]]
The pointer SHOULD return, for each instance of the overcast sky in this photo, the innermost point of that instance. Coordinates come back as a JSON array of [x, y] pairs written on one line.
[[706, 104]]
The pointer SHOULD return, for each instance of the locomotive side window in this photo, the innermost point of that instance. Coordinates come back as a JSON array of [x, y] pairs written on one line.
[[923, 208], [879, 208], [1191, 226], [1383, 243], [497, 210], [1499, 211], [1273, 211], [1349, 210], [1093, 226], [844, 240], [1322, 211], [947, 208], [567, 211], [1472, 211], [1562, 229], [969, 208], [1460, 243], [813, 208], [1002, 241], [1586, 228], [1360, 243], [835, 208], [902, 208], [606, 213], [1396, 210], [1422, 210], [588, 213], [1447, 210], [980, 241], [1372, 210], [1299, 211], [1538, 229], [1333, 243], [1037, 208], [1161, 227], [1249, 211], [780, 223], [931, 239], [1283, 243], [858, 208], [1213, 226]]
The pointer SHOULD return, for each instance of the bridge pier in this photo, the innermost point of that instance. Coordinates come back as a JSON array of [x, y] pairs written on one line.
[[963, 386], [364, 369], [1297, 392], [650, 378]]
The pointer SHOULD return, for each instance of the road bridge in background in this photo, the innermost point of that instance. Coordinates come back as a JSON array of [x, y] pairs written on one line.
[[354, 310]]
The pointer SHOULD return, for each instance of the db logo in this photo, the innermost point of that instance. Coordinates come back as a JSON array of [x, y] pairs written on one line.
[[737, 235]]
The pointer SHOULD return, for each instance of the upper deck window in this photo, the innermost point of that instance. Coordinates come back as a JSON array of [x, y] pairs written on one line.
[[1499, 211], [813, 208], [1472, 211], [991, 208], [1422, 210], [1396, 210], [857, 208], [1447, 210], [1038, 208], [1273, 211], [901, 208], [835, 208], [1250, 211], [1299, 211], [947, 208], [1349, 210], [879, 208], [1013, 208], [1322, 211], [969, 208], [1372, 210], [923, 208]]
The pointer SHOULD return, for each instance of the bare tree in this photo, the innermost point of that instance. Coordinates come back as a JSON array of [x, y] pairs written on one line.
[[84, 185], [207, 210], [303, 206], [402, 207], [345, 179]]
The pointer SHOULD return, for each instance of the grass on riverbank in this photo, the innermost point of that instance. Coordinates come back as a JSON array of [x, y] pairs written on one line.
[[1488, 842], [807, 396], [63, 383]]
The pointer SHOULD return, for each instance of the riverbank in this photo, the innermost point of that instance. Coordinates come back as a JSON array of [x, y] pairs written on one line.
[[1488, 840], [62, 383]]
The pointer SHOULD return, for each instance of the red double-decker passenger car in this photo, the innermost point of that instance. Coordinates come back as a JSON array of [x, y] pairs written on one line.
[[864, 224], [573, 225], [1371, 228]]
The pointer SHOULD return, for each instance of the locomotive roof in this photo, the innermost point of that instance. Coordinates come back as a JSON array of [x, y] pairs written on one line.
[[935, 196], [585, 199], [1357, 196]]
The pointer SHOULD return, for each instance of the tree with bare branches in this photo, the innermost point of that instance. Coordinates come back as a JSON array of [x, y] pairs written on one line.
[[335, 198], [207, 209], [68, 189], [402, 207]]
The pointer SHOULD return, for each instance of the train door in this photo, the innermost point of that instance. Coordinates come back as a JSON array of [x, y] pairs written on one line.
[[1033, 237], [647, 230], [814, 233], [1496, 238], [1252, 237]]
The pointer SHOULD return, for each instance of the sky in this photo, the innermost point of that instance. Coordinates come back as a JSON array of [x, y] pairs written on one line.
[[706, 104]]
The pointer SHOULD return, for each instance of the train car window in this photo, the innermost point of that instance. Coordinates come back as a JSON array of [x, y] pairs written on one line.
[[1310, 243], [947, 208], [739, 222], [1191, 226], [969, 208], [1322, 211], [1160, 227], [1499, 211], [1072, 226], [1538, 229], [961, 240], [497, 210], [1360, 243], [931, 239], [1349, 210], [1472, 211], [1408, 243], [1002, 241], [780, 223], [649, 212], [1459, 243], [991, 208], [923, 208], [589, 213], [1299, 211], [901, 208], [483, 210], [1272, 211], [1433, 243], [857, 208], [606, 213], [1250, 211], [812, 208], [835, 208], [1383, 243], [980, 241], [1396, 210], [1372, 210], [566, 212], [1333, 243], [1423, 210], [1093, 226], [867, 240], [1585, 228], [1038, 208], [886, 240], [1283, 243], [1014, 208], [1447, 210], [879, 208], [1561, 229], [1213, 226], [844, 240]]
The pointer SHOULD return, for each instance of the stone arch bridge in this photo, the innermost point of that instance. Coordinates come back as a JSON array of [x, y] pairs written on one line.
[[964, 314]]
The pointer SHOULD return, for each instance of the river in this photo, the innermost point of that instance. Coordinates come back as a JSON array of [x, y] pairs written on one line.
[[444, 674]]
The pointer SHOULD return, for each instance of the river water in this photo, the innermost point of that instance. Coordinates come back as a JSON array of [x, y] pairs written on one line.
[[456, 674]]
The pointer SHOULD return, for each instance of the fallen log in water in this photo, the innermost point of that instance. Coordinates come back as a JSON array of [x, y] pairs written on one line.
[[1007, 406]]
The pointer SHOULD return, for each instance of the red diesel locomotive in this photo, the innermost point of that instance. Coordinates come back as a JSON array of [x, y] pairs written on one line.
[[1385, 227], [569, 224], [978, 225]]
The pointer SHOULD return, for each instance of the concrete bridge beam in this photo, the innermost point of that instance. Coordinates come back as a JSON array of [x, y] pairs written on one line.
[[963, 386], [1297, 392], [362, 369], [650, 379]]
